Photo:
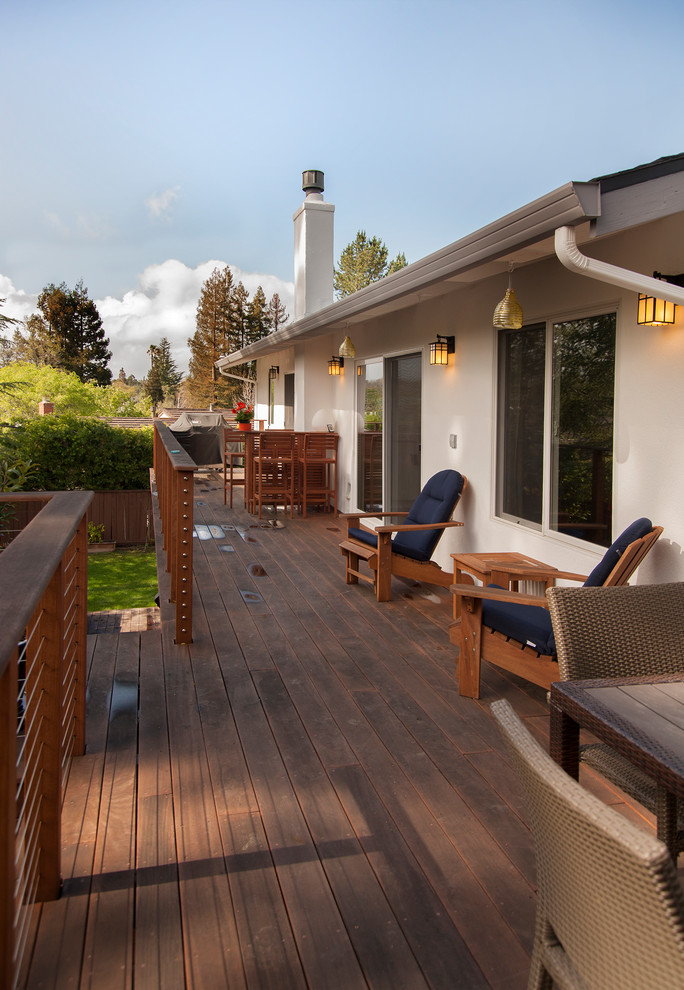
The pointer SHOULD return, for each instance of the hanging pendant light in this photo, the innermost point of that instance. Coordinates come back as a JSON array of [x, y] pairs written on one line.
[[508, 315], [347, 349]]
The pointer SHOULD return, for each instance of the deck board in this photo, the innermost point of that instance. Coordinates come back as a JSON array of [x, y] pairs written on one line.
[[297, 799]]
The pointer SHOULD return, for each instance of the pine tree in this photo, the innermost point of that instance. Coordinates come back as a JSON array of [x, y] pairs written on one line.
[[213, 338], [363, 261], [277, 314], [257, 317], [76, 328], [163, 379]]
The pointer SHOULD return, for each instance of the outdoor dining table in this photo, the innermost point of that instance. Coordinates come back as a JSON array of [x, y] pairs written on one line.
[[642, 718]]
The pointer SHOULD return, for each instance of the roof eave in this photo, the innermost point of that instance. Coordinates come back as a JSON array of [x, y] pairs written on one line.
[[571, 204]]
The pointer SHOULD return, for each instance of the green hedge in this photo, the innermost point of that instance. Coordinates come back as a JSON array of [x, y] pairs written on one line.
[[72, 452]]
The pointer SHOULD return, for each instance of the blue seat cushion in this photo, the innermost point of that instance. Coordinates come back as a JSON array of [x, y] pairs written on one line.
[[599, 575], [435, 504], [528, 624]]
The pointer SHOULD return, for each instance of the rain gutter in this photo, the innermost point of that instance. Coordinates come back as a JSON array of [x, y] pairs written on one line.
[[572, 258], [571, 203]]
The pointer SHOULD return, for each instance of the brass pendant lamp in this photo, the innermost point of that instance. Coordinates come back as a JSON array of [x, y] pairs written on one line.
[[508, 315]]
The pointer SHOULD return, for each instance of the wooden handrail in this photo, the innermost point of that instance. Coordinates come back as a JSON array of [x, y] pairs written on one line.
[[174, 477], [43, 606]]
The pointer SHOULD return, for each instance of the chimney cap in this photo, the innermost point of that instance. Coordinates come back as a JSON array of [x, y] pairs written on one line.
[[312, 181]]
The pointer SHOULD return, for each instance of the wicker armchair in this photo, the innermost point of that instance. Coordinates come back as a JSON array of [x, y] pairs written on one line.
[[610, 911], [619, 632]]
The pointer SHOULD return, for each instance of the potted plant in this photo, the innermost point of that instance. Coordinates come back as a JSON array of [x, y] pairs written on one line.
[[244, 415], [96, 543]]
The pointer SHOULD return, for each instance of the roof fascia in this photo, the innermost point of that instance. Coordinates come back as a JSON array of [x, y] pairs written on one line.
[[568, 205]]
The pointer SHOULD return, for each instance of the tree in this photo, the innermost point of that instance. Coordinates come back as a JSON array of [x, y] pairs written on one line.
[[257, 317], [76, 327], [68, 393], [34, 343], [164, 378], [213, 338], [277, 314], [363, 261]]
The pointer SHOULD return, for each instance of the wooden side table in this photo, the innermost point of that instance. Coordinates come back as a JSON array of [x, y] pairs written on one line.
[[506, 569]]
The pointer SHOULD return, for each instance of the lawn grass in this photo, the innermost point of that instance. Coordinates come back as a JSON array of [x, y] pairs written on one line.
[[121, 579]]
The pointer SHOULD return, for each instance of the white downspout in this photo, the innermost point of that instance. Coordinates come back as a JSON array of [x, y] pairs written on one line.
[[569, 255]]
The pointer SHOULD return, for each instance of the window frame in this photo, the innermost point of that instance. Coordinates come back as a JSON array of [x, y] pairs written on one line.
[[549, 484]]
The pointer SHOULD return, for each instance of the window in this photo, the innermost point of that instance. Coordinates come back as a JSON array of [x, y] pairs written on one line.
[[555, 422]]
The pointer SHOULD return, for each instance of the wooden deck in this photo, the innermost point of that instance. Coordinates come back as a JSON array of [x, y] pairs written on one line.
[[299, 798]]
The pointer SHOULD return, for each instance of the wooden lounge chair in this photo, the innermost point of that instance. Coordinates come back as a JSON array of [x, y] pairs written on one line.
[[610, 909], [513, 630], [620, 632], [404, 549]]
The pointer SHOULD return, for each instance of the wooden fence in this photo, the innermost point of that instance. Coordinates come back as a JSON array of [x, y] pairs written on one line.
[[174, 479], [126, 516], [43, 627]]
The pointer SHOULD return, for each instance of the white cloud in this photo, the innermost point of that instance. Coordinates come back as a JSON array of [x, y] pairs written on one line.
[[163, 304], [18, 304], [158, 206]]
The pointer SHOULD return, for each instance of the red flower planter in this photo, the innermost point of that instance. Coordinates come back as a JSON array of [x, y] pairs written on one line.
[[244, 426]]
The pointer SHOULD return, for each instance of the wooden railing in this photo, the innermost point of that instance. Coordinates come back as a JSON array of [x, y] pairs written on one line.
[[174, 472], [43, 627]]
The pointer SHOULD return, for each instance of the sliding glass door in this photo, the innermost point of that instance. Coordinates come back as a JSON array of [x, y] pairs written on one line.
[[389, 408]]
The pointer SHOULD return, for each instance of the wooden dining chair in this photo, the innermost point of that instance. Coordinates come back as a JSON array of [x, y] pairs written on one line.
[[610, 908], [317, 458], [274, 471], [233, 457]]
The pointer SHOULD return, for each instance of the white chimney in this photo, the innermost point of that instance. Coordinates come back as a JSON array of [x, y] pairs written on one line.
[[313, 248]]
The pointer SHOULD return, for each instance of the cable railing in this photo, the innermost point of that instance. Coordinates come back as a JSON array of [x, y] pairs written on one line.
[[43, 628], [174, 472]]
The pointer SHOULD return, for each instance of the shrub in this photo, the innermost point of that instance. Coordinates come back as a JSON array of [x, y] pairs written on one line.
[[69, 452]]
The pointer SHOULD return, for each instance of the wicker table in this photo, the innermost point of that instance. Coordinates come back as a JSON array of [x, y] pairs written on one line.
[[640, 717]]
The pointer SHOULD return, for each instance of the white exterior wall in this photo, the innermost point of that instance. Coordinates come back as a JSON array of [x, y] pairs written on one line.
[[461, 399]]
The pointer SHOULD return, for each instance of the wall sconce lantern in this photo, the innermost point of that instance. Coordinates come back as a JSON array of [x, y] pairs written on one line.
[[273, 372], [441, 348], [335, 365], [654, 312], [508, 315]]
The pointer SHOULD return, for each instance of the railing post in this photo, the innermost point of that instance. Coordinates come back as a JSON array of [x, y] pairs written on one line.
[[8, 801], [81, 652], [174, 475], [44, 701], [183, 556]]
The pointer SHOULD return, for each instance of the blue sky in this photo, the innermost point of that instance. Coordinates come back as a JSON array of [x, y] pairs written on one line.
[[146, 142]]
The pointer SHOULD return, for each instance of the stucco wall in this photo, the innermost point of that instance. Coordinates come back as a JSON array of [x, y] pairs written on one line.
[[461, 399]]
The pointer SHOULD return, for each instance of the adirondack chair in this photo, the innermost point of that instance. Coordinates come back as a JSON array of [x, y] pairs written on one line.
[[404, 549], [610, 909], [513, 630]]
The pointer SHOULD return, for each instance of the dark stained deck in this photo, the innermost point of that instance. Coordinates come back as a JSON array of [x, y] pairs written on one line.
[[298, 799]]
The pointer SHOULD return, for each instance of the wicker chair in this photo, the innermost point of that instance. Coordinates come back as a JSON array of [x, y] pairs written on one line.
[[619, 632], [610, 910]]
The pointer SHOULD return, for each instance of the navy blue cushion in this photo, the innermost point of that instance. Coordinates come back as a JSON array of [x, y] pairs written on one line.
[[600, 574], [530, 624], [435, 504]]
